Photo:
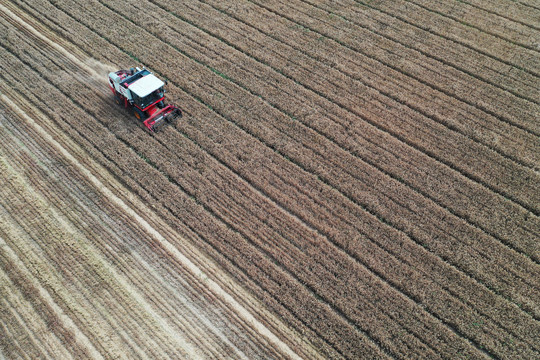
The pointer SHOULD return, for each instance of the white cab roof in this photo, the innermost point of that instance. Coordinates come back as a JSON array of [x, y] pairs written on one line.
[[145, 85]]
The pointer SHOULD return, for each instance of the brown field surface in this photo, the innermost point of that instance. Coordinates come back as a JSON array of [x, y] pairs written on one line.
[[351, 179]]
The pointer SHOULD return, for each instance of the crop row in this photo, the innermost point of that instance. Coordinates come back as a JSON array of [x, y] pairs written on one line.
[[464, 154], [511, 22], [119, 249], [236, 207], [223, 93], [240, 67], [483, 58], [349, 99], [338, 61], [519, 12], [280, 50], [265, 77], [452, 82], [229, 244], [229, 207]]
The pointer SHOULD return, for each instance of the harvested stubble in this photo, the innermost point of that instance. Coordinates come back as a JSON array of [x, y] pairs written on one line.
[[92, 224], [255, 124], [305, 230], [97, 232]]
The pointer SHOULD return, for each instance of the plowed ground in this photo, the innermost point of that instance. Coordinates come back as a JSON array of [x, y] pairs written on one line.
[[351, 179]]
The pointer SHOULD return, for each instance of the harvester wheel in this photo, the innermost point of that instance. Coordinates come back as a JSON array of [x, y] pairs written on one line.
[[139, 114], [118, 99]]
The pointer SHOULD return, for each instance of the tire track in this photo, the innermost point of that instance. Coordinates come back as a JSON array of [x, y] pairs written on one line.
[[440, 77], [470, 17], [415, 188], [231, 302]]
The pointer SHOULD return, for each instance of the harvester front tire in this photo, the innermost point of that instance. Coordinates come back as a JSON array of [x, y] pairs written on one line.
[[139, 114]]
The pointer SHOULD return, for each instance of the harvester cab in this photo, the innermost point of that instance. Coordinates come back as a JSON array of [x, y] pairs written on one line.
[[144, 93]]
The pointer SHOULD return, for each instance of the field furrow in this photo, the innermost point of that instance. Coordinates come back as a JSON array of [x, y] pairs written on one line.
[[503, 105], [132, 333], [349, 180], [14, 306], [484, 21], [265, 78], [403, 24], [518, 12], [45, 309]]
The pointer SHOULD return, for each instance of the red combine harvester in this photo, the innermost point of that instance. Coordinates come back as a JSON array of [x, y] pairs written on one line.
[[144, 93]]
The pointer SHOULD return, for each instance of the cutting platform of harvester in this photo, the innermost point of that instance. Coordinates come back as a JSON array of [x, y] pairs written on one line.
[[144, 93]]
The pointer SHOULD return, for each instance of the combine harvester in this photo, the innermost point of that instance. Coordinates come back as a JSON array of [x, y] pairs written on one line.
[[142, 91]]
